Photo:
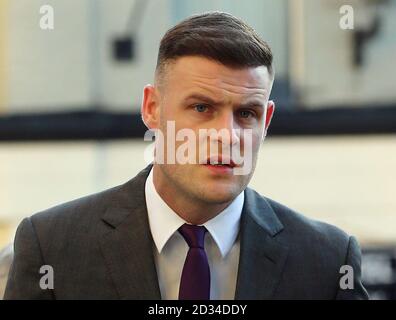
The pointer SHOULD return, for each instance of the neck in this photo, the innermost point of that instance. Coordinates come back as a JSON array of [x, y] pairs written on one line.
[[191, 210]]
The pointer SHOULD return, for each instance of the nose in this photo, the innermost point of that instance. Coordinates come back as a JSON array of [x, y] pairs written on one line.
[[228, 127]]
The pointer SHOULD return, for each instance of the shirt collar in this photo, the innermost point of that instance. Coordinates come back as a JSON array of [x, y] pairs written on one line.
[[164, 222]]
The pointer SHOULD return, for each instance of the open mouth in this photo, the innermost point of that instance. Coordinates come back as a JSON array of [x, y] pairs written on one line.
[[220, 162], [220, 165]]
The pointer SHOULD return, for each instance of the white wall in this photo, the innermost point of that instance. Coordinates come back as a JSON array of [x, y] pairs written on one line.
[[71, 66], [47, 70], [330, 77]]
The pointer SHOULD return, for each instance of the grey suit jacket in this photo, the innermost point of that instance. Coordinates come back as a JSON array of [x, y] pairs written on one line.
[[5, 262], [100, 247]]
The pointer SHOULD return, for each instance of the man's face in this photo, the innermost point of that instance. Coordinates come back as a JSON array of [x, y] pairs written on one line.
[[199, 94]]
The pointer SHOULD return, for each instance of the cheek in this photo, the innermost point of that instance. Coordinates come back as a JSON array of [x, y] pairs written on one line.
[[255, 138]]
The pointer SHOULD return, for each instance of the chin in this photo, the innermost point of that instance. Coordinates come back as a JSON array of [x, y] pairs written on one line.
[[220, 196]]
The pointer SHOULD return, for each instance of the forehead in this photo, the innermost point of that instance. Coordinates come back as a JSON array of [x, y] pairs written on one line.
[[193, 72]]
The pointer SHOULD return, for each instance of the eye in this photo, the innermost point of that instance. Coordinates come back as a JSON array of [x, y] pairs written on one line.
[[246, 113], [200, 108]]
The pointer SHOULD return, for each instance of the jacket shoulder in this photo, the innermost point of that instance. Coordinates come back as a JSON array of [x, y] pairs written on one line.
[[297, 224], [316, 253], [310, 239], [93, 206], [80, 208]]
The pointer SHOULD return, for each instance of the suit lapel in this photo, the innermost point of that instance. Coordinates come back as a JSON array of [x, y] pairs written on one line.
[[127, 244], [262, 257]]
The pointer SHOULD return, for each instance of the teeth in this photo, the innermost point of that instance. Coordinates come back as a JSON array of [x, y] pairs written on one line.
[[214, 163]]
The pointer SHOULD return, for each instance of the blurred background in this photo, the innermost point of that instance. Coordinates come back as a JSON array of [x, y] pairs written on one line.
[[70, 96]]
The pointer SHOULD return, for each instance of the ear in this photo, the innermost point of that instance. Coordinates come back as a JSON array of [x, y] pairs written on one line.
[[268, 115], [150, 107]]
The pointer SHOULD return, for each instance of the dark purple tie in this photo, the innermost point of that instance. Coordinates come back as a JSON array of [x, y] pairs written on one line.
[[195, 279]]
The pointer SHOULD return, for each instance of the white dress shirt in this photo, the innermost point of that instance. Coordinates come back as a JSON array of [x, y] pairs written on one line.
[[170, 249]]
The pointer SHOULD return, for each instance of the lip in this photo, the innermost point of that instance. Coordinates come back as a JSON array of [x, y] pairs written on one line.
[[220, 159], [219, 169], [225, 169]]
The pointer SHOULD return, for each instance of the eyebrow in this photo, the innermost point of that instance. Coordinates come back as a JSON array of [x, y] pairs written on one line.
[[206, 99]]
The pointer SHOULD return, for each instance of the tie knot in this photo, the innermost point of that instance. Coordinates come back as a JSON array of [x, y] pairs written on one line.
[[194, 235]]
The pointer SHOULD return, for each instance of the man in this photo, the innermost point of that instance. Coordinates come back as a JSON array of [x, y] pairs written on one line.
[[191, 230]]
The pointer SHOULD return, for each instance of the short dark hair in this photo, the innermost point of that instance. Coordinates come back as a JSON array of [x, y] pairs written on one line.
[[218, 36]]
